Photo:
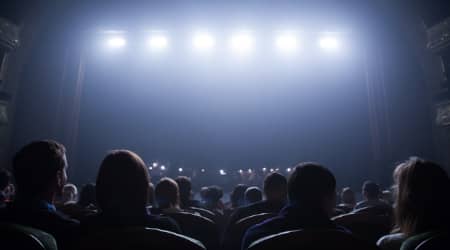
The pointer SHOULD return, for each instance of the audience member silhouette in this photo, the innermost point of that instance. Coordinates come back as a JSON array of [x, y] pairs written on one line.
[[39, 170], [422, 203], [275, 190], [371, 193], [213, 199], [5, 182], [69, 194], [185, 188], [348, 200], [312, 197], [122, 195], [167, 196], [253, 195]]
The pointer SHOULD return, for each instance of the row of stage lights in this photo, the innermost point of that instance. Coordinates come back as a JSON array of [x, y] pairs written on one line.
[[241, 43], [221, 171]]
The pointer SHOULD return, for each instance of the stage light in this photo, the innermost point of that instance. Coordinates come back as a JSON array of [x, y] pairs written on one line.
[[222, 172], [158, 42], [202, 170], [286, 43], [271, 170], [242, 43], [240, 171], [264, 169], [155, 164], [116, 42], [150, 168], [329, 43], [203, 41], [288, 169], [249, 171], [163, 167], [180, 170], [277, 169]]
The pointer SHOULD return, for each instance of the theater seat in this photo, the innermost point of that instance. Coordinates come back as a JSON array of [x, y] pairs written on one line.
[[13, 236], [311, 239], [198, 227], [233, 239], [438, 242], [138, 238]]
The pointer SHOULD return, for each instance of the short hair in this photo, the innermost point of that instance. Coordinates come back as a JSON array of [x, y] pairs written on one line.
[[122, 181], [275, 183], [237, 196], [310, 183], [422, 201], [371, 189], [87, 195], [167, 193], [347, 195], [36, 165], [213, 194], [185, 188], [253, 194], [5, 179]]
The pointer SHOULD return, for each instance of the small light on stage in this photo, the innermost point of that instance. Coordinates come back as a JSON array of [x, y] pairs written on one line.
[[271, 170], [329, 43], [242, 43], [288, 169], [202, 170], [264, 169], [150, 168], [158, 42], [249, 171], [116, 42], [286, 43], [222, 172], [240, 171], [180, 170], [163, 167], [277, 169], [203, 41], [155, 164]]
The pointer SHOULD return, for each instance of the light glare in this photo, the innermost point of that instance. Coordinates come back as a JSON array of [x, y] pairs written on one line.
[[203, 41], [329, 43], [286, 43], [242, 43], [116, 42], [158, 42]]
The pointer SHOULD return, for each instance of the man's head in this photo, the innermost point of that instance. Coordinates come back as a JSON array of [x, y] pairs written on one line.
[[371, 190], [275, 187], [348, 196], [70, 193], [122, 182], [39, 169], [167, 193], [185, 188], [312, 186], [237, 197], [253, 194]]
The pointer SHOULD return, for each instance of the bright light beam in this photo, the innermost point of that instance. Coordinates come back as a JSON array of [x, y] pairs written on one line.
[[242, 43], [329, 43], [286, 43], [116, 42], [158, 42], [203, 42]]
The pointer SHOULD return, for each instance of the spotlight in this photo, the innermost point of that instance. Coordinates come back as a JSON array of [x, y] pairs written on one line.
[[329, 43], [288, 169], [264, 169], [286, 43], [203, 41], [163, 167], [242, 43], [150, 168], [158, 42], [222, 172], [180, 170], [116, 42], [202, 170], [271, 170], [249, 171], [277, 169], [240, 171], [155, 164]]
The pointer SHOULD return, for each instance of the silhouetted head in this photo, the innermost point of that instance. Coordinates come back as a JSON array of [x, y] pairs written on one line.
[[212, 196], [423, 200], [371, 190], [348, 196], [185, 188], [122, 183], [253, 194], [167, 193], [313, 187], [275, 187], [39, 170], [237, 195], [87, 195]]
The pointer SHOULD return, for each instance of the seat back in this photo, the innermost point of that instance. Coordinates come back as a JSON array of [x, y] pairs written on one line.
[[198, 227], [233, 239], [311, 239], [13, 236], [137, 238], [438, 242]]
